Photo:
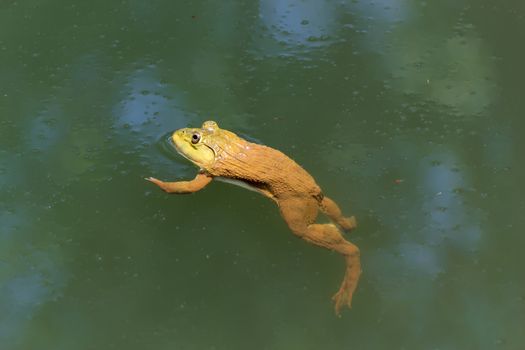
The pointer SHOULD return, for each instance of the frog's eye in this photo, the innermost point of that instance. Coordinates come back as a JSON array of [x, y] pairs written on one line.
[[195, 138]]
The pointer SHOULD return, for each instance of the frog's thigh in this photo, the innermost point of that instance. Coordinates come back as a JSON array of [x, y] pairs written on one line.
[[300, 215]]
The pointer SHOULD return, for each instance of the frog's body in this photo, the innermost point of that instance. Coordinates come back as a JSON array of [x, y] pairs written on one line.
[[222, 155]]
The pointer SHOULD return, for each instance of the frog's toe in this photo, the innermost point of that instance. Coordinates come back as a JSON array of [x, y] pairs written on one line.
[[348, 224], [155, 181]]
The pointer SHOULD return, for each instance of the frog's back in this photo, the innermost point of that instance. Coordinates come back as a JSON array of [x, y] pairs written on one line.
[[265, 168]]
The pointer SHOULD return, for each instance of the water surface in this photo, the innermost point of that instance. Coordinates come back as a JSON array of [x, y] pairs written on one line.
[[409, 114]]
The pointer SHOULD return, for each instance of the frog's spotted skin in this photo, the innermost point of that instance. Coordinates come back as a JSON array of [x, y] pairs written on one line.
[[222, 155]]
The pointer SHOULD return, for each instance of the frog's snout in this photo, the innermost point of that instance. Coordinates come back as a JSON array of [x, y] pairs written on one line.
[[176, 139]]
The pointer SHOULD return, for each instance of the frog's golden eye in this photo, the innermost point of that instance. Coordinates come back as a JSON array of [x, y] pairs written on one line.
[[195, 138]]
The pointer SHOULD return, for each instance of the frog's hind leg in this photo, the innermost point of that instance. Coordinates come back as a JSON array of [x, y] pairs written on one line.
[[300, 215], [330, 209]]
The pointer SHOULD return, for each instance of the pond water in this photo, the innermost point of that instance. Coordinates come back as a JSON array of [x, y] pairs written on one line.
[[409, 114]]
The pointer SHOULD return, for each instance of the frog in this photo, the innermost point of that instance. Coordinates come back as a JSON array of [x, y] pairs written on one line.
[[224, 156]]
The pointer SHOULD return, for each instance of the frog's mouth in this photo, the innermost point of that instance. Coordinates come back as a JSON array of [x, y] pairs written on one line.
[[199, 154]]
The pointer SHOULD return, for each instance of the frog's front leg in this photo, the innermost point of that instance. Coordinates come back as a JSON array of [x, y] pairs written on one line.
[[198, 183], [300, 215]]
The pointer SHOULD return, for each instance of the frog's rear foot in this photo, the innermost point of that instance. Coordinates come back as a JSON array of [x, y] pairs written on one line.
[[342, 298], [347, 224], [330, 208]]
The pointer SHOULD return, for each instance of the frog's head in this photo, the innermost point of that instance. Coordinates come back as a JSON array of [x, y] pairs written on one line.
[[200, 145]]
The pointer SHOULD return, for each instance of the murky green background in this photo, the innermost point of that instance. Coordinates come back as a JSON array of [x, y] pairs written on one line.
[[410, 114]]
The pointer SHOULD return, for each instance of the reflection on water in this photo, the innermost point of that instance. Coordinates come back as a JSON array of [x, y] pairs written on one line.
[[147, 102], [407, 114], [31, 274], [299, 23]]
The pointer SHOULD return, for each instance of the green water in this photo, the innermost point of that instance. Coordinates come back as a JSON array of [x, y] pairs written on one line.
[[410, 114]]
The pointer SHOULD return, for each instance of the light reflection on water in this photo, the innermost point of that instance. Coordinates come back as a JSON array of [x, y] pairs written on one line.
[[305, 23]]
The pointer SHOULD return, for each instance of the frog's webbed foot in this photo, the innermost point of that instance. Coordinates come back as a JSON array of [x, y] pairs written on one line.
[[346, 290], [348, 223], [341, 298]]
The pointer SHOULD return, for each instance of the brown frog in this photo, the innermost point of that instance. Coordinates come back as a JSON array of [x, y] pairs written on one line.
[[222, 155]]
